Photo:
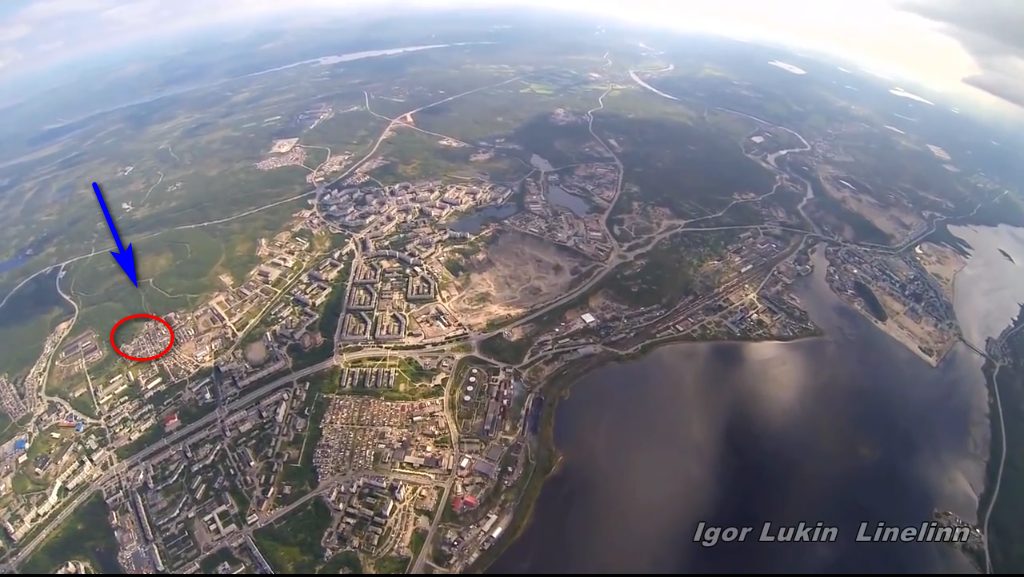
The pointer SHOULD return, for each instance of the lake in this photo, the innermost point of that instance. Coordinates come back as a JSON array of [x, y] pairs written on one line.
[[474, 221], [843, 429], [559, 197]]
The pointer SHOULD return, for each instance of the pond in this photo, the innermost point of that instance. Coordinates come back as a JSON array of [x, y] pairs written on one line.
[[559, 197], [474, 221]]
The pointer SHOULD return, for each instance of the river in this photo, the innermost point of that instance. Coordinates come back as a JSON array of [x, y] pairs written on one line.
[[843, 429]]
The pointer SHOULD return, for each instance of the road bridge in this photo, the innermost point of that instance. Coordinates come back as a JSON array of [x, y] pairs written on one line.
[[976, 349]]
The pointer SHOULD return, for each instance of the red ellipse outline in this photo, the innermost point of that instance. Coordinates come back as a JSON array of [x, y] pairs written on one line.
[[142, 316]]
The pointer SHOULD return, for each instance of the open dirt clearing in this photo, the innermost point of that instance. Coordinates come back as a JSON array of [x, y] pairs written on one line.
[[942, 263], [512, 274]]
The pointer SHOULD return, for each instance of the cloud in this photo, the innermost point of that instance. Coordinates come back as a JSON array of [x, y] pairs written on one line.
[[992, 31], [12, 33], [133, 13], [992, 26], [43, 10], [9, 58]]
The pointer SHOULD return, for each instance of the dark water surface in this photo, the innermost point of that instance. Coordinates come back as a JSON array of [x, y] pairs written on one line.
[[475, 221], [560, 197], [843, 429]]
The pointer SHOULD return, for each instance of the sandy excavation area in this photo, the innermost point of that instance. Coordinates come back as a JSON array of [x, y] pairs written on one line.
[[915, 332], [513, 273], [942, 263]]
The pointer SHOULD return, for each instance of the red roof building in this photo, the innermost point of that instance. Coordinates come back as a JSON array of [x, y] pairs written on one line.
[[171, 421]]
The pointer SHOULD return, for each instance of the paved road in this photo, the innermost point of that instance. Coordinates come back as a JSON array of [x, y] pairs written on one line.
[[151, 235], [453, 432], [987, 516], [13, 564], [169, 441], [313, 193], [32, 396], [281, 512], [264, 390], [248, 399], [182, 434]]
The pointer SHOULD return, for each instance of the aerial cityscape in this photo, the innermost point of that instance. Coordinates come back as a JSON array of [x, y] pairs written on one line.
[[370, 280]]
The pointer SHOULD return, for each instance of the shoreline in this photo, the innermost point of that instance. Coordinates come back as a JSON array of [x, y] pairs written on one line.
[[557, 388], [988, 498], [902, 338], [999, 463]]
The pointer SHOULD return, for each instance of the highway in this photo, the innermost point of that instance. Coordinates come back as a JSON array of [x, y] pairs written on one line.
[[205, 421], [166, 442], [618, 256], [262, 391], [41, 393], [615, 256], [243, 401], [325, 486], [182, 434]]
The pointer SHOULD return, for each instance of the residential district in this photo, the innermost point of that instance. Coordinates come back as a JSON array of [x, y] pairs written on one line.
[[373, 388]]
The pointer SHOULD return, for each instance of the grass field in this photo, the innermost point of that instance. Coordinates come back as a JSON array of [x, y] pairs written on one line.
[[86, 535], [7, 429], [188, 159], [301, 475], [391, 565], [347, 561], [292, 546], [26, 320], [500, 111], [222, 555]]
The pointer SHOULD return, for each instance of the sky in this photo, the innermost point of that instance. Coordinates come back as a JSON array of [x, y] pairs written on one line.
[[968, 48]]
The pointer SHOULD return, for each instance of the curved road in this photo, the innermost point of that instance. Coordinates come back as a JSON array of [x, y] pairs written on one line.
[[1002, 454], [987, 514], [49, 363], [347, 171], [616, 258]]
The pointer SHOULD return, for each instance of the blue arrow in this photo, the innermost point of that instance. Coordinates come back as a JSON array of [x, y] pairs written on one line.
[[123, 256]]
